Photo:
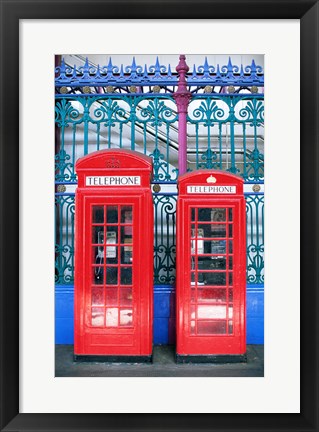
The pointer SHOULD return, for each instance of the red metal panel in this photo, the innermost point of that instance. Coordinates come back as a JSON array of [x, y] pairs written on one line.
[[211, 265], [113, 256]]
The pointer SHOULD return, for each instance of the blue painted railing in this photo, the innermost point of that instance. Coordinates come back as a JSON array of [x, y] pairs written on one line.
[[156, 74]]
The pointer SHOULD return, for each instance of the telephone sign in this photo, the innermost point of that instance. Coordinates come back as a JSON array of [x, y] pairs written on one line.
[[114, 257], [211, 267]]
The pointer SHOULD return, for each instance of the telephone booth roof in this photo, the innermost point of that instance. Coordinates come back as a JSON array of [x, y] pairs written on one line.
[[209, 177], [115, 162]]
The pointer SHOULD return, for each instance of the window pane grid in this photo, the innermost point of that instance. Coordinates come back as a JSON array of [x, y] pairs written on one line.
[[211, 269], [112, 266]]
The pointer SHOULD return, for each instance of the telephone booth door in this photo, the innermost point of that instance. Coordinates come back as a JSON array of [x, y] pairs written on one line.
[[211, 274], [114, 257]]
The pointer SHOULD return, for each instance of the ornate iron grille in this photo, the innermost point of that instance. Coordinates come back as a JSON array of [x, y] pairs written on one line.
[[255, 238], [144, 124], [164, 238], [227, 134], [64, 239]]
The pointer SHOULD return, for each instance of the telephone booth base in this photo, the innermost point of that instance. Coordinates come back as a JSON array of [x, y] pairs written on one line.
[[223, 358], [113, 359]]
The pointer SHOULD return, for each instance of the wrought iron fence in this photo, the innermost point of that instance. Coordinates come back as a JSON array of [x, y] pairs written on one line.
[[134, 108]]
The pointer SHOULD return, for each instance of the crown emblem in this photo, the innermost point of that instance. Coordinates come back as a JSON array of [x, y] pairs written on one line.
[[112, 163], [211, 179]]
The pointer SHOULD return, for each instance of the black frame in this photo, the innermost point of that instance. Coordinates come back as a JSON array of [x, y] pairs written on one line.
[[13, 10]]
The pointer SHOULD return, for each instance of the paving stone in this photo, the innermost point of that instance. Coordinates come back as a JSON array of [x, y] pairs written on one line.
[[163, 365]]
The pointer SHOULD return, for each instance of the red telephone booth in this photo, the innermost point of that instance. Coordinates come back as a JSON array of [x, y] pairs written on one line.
[[211, 268], [114, 257]]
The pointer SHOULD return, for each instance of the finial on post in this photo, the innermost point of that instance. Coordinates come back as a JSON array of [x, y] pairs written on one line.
[[182, 68], [182, 97]]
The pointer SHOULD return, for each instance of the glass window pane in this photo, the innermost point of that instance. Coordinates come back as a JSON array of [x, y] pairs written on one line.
[[127, 254], [111, 235], [193, 327], [197, 278], [97, 318], [126, 214], [218, 230], [126, 317], [111, 317], [218, 214], [218, 263], [126, 275], [204, 214], [97, 234], [98, 214], [209, 263], [230, 276], [208, 231], [230, 214], [204, 263], [111, 254], [230, 295], [112, 214], [211, 327], [230, 327], [212, 214], [111, 276], [230, 263], [214, 278], [98, 275], [230, 242], [211, 311], [126, 234], [193, 214], [211, 294], [193, 294], [216, 246], [230, 230], [97, 297], [111, 296], [126, 296], [98, 255]]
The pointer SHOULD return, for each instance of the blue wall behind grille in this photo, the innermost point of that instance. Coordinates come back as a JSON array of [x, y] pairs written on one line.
[[164, 314]]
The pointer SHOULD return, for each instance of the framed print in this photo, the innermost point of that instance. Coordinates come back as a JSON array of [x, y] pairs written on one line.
[[32, 398]]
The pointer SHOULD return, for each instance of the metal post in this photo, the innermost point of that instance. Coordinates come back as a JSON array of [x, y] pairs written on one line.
[[182, 97]]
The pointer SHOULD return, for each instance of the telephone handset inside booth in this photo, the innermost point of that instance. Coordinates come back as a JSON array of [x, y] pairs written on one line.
[[99, 259], [110, 254], [197, 248], [110, 240], [100, 249]]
